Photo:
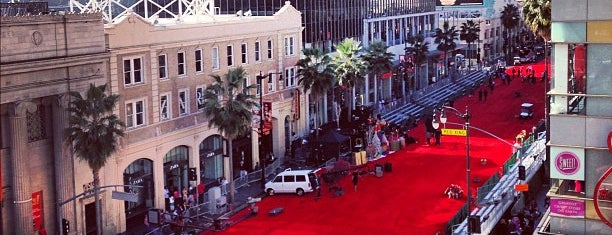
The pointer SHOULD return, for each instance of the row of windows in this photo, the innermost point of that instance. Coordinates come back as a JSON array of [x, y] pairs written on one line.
[[136, 112], [133, 67]]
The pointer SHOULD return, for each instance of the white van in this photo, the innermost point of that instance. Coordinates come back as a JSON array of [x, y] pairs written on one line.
[[288, 181]]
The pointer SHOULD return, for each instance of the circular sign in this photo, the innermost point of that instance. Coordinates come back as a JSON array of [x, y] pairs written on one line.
[[603, 197], [567, 163]]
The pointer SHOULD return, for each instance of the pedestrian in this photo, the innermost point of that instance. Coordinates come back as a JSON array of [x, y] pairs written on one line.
[[438, 135], [485, 93], [355, 180], [146, 224], [201, 190], [479, 95], [166, 198]]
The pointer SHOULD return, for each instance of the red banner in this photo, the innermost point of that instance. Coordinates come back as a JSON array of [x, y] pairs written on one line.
[[296, 104], [386, 75], [37, 210], [267, 111]]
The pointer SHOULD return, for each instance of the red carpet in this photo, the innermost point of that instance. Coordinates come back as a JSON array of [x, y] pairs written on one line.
[[408, 200]]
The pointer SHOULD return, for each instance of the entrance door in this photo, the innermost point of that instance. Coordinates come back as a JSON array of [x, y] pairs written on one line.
[[90, 218]]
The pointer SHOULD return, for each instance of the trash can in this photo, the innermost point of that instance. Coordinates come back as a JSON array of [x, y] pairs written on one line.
[[379, 170], [388, 167]]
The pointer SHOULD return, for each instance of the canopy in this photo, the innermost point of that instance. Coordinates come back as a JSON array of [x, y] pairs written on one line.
[[333, 137]]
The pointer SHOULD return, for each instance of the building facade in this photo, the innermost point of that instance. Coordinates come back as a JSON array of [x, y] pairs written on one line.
[[160, 67], [43, 57], [580, 117]]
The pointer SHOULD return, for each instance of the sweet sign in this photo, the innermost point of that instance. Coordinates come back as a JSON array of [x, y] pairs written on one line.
[[567, 163]]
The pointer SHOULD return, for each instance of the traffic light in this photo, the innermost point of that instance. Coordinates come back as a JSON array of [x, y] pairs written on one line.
[[65, 226], [521, 172], [474, 224], [193, 176]]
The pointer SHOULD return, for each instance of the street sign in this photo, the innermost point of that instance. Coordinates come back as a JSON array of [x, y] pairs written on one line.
[[130, 197], [521, 187], [455, 132]]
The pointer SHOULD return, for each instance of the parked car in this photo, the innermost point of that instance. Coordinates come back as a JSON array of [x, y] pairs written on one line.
[[526, 111], [516, 60], [290, 181]]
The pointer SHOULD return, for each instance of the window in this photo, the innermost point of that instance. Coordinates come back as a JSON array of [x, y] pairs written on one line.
[[257, 51], [135, 113], [181, 63], [162, 63], [272, 83], [244, 55], [164, 107], [270, 49], [215, 58], [245, 86], [183, 102], [200, 97], [289, 77], [289, 46], [199, 64], [230, 55], [289, 178], [132, 71], [300, 178]]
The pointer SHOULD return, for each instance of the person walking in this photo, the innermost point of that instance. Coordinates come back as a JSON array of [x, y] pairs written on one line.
[[355, 180], [485, 93]]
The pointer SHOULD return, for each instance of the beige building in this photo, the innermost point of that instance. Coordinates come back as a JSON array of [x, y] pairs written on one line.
[[43, 57], [160, 68]]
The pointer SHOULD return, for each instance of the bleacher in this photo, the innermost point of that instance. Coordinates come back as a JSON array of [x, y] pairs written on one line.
[[440, 95]]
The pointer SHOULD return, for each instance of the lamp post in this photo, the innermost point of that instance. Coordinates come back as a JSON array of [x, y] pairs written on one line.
[[466, 117], [260, 79]]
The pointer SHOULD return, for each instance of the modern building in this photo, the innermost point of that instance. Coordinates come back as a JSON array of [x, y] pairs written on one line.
[[580, 118], [43, 58]]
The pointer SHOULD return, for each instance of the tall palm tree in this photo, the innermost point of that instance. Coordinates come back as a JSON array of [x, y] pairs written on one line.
[[420, 48], [379, 60], [93, 131], [348, 68], [446, 38], [510, 19], [469, 33], [316, 75], [228, 106], [537, 15]]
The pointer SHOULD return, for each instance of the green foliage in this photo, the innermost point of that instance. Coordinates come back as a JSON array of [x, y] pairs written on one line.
[[537, 15], [93, 130], [348, 66]]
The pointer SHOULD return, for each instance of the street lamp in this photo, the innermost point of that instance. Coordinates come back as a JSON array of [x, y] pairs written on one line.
[[466, 117], [260, 79]]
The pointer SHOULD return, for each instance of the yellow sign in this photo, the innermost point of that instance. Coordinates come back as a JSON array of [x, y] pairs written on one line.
[[455, 132]]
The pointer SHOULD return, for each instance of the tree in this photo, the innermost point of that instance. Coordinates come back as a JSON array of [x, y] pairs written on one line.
[[348, 68], [419, 51], [537, 15], [469, 33], [445, 38], [316, 75], [228, 106], [93, 131], [510, 19], [379, 60]]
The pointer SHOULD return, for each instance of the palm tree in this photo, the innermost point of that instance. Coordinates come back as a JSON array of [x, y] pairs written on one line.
[[445, 38], [379, 60], [420, 48], [93, 131], [510, 19], [316, 75], [228, 106], [348, 68], [469, 33], [537, 15]]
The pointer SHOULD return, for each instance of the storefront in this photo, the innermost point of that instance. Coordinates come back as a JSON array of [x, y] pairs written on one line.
[[176, 166], [211, 160], [139, 173]]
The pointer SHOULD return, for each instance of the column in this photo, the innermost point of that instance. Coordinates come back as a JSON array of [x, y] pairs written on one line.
[[64, 170], [20, 180]]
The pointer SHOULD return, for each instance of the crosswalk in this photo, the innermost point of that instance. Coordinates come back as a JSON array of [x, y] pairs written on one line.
[[436, 98]]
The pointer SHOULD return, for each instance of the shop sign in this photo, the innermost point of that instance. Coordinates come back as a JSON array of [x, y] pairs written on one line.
[[567, 207], [567, 163], [610, 141], [174, 166], [37, 210]]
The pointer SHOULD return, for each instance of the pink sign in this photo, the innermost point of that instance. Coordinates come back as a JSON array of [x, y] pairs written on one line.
[[567, 163], [567, 207]]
